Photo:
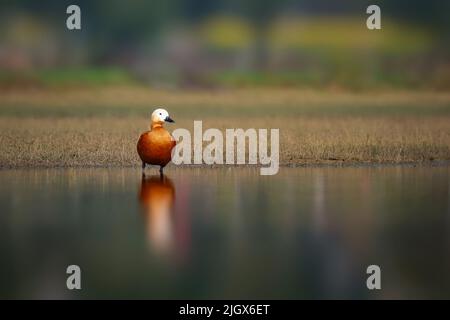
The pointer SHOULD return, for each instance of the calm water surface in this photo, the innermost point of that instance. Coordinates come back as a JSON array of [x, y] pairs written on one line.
[[225, 233]]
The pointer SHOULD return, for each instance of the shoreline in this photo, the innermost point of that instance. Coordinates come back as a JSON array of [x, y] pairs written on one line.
[[337, 164]]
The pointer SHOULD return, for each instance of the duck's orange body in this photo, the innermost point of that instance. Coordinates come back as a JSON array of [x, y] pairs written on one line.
[[155, 146]]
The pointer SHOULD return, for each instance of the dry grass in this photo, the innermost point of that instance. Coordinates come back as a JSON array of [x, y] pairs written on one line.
[[99, 127]]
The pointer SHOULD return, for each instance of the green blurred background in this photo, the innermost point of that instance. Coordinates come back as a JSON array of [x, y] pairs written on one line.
[[208, 44]]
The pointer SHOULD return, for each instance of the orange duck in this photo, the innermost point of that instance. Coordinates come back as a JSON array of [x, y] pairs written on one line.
[[155, 146]]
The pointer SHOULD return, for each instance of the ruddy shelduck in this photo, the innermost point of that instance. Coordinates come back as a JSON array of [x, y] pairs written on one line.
[[155, 146]]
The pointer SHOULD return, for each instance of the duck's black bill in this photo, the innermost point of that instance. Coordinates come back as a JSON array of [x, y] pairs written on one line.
[[168, 119]]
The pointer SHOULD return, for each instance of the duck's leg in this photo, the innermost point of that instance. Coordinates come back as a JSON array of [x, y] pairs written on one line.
[[143, 166], [161, 170]]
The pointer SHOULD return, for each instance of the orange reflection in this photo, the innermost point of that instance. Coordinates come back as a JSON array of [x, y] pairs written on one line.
[[157, 197]]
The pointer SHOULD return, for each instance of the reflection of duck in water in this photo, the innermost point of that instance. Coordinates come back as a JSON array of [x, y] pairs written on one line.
[[155, 146], [157, 197]]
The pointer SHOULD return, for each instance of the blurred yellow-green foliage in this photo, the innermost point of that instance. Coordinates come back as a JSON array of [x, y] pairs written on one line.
[[330, 34], [198, 43], [227, 32]]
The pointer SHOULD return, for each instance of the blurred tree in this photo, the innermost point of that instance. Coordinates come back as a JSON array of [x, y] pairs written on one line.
[[118, 27], [261, 14], [433, 14], [196, 10]]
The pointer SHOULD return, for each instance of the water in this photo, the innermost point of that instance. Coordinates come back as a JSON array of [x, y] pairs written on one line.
[[225, 233]]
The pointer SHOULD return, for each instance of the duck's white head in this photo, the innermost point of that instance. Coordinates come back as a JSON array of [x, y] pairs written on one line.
[[160, 116]]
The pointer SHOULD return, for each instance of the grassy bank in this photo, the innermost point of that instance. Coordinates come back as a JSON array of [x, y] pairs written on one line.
[[100, 126]]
